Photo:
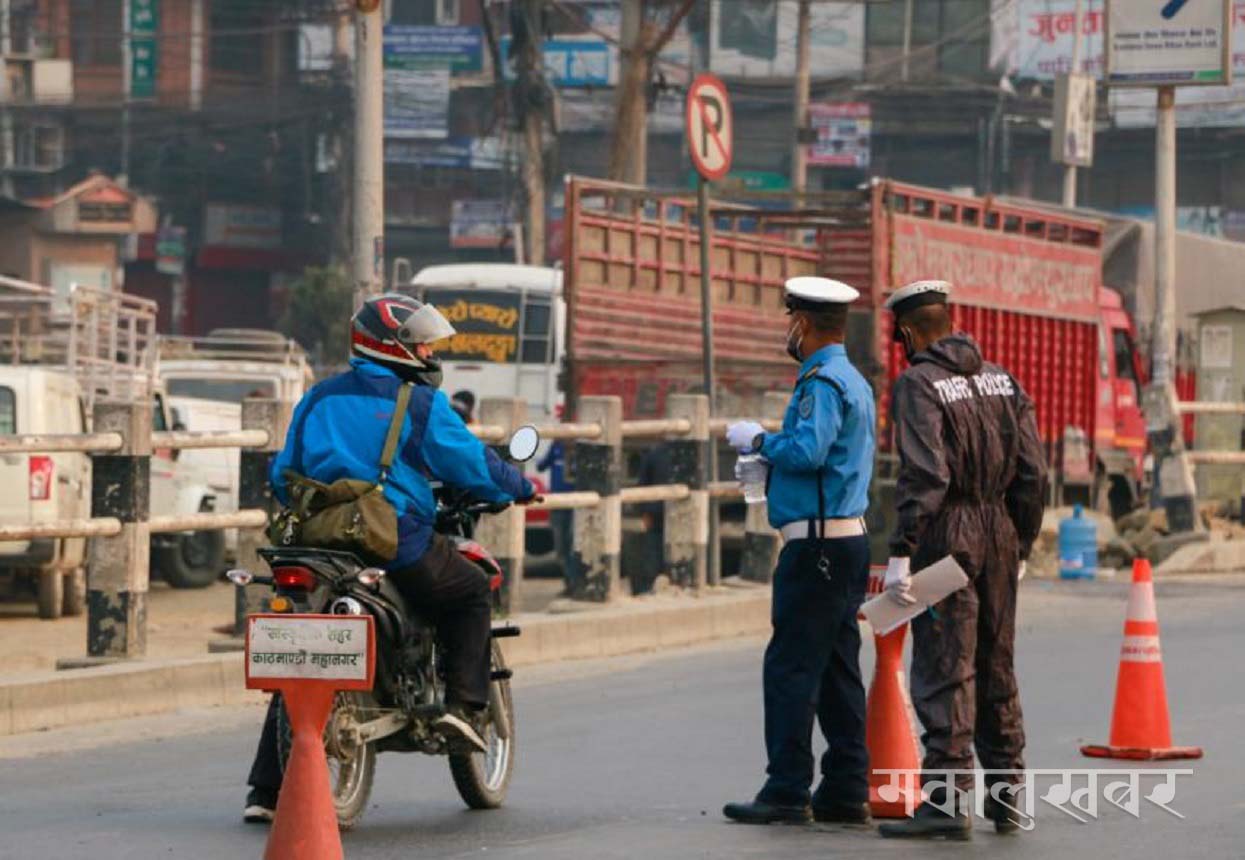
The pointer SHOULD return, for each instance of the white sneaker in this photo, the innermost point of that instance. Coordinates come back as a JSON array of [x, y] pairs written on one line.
[[454, 728], [257, 814]]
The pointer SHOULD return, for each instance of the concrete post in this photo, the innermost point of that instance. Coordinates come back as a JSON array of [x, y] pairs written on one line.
[[762, 543], [597, 539], [255, 491], [504, 533], [117, 578], [687, 520]]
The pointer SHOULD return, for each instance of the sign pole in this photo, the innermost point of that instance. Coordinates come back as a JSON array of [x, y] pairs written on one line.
[[710, 382], [1165, 237]]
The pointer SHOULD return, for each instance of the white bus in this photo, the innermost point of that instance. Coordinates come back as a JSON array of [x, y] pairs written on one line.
[[510, 321]]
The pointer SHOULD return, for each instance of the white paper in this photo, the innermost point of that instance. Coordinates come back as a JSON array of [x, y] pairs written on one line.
[[928, 587]]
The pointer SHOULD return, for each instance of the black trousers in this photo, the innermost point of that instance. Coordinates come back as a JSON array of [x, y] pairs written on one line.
[[964, 679], [812, 666], [453, 594]]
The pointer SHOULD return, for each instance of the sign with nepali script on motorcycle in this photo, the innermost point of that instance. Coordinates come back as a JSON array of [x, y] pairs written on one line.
[[336, 649]]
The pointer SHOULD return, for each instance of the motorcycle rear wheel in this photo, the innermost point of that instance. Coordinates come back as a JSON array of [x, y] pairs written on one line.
[[352, 767], [482, 779]]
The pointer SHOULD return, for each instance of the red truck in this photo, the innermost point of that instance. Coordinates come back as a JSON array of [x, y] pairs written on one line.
[[1028, 286]]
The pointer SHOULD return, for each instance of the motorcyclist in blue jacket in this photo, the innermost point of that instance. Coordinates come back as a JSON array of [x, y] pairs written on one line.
[[338, 431]]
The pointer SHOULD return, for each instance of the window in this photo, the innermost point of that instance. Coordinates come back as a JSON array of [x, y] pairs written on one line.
[[158, 424], [536, 318], [414, 12], [1123, 355], [221, 390], [95, 31], [8, 412], [39, 147], [238, 37], [949, 37]]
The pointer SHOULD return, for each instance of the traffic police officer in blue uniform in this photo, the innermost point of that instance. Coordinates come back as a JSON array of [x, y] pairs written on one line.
[[819, 465]]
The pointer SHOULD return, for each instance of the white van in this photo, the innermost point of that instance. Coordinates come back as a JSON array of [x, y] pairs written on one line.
[[43, 488], [510, 321]]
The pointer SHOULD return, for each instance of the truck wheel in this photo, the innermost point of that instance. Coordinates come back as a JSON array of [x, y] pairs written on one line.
[[51, 593], [75, 592], [195, 559]]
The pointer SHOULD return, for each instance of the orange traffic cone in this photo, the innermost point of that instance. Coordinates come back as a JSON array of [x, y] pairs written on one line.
[[1140, 728], [305, 826], [889, 733]]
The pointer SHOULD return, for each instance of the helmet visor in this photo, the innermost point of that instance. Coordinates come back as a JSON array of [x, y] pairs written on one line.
[[425, 325]]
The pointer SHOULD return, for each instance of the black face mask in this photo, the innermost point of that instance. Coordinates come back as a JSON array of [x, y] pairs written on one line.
[[794, 342]]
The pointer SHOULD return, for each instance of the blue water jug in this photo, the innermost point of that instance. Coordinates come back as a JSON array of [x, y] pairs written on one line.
[[1078, 546]]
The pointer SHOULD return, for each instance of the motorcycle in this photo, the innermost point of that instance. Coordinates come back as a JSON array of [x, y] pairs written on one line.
[[397, 715]]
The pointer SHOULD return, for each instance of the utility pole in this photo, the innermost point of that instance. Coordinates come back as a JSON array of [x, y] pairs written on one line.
[[127, 84], [6, 118], [369, 154], [531, 99], [1069, 170], [907, 39], [1165, 239], [799, 152]]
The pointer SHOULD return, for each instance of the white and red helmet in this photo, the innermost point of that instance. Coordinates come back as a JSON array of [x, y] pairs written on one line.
[[389, 327]]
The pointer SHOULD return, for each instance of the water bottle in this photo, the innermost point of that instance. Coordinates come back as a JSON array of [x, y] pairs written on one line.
[[751, 470], [1078, 546]]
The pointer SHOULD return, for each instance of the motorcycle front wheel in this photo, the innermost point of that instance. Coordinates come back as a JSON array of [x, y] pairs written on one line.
[[482, 779], [352, 766]]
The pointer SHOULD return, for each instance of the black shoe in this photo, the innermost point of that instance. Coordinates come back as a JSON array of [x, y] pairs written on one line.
[[1005, 820], [261, 807], [760, 812], [930, 822], [842, 813]]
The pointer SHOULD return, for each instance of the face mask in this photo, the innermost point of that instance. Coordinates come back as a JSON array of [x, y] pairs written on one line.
[[795, 339]]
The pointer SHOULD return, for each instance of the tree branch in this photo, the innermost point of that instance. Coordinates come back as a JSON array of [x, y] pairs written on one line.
[[671, 26]]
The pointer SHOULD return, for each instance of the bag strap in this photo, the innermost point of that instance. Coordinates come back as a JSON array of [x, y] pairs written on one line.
[[395, 430]]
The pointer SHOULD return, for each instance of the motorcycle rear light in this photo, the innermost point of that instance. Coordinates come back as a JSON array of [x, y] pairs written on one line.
[[41, 473], [239, 577], [294, 577], [371, 577]]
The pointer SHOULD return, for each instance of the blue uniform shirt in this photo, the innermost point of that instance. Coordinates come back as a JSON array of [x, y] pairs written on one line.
[[829, 425], [338, 431]]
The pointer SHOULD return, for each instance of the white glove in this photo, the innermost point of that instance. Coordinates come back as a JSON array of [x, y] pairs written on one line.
[[742, 434], [753, 471], [1024, 565], [898, 581]]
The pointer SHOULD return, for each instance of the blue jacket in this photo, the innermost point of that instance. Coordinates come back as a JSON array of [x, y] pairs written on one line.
[[338, 431], [829, 426]]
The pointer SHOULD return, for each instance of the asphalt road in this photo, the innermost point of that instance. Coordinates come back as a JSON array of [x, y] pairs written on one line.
[[633, 758]]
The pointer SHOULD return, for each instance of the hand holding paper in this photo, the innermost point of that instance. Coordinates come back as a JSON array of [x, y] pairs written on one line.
[[926, 587]]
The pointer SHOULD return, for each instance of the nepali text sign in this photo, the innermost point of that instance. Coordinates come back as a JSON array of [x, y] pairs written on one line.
[[459, 49], [999, 270], [335, 648], [144, 54], [486, 322], [417, 102], [844, 131], [574, 61], [1035, 38], [1168, 42]]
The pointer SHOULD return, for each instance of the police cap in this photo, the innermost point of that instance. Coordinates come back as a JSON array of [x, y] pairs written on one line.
[[917, 294], [814, 294]]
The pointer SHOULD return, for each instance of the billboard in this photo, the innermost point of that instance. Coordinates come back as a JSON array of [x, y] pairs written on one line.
[[1177, 42], [844, 132]]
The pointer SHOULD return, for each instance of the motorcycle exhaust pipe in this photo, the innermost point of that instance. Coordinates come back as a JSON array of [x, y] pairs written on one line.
[[506, 632]]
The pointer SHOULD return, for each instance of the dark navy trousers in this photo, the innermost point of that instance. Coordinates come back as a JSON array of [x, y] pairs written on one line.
[[812, 666]]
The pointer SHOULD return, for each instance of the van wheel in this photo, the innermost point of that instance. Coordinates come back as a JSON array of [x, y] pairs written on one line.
[[195, 560], [51, 594], [75, 592]]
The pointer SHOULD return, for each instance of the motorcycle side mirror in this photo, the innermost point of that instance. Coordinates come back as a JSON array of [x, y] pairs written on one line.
[[523, 443]]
